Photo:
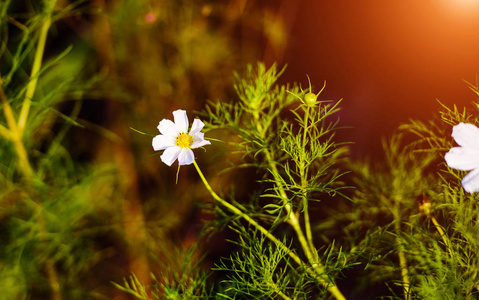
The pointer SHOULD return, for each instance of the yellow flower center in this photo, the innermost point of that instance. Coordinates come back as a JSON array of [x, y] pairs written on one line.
[[184, 140]]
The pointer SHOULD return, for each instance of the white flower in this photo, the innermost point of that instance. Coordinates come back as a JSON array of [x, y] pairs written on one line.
[[466, 157], [176, 141]]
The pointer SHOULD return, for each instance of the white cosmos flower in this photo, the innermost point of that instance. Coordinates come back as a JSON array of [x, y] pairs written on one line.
[[466, 157], [177, 141]]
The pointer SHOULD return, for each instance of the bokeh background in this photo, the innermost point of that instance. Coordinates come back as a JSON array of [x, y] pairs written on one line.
[[135, 62]]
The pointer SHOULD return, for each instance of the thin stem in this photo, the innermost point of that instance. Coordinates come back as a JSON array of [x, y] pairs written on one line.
[[403, 263], [5, 132], [307, 223], [37, 63], [251, 221], [333, 289], [306, 120], [441, 232], [318, 268], [53, 279], [16, 133], [292, 219], [7, 109], [23, 161], [304, 181], [279, 292], [13, 134]]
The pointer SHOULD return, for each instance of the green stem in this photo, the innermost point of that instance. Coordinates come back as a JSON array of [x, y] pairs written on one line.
[[441, 233], [15, 136], [305, 131], [17, 130], [279, 292], [403, 264], [294, 222], [251, 221], [307, 222], [5, 132], [37, 63], [292, 218], [304, 181], [332, 288], [318, 268]]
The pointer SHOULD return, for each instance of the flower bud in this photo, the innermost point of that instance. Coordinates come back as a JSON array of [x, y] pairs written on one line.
[[424, 205], [310, 99]]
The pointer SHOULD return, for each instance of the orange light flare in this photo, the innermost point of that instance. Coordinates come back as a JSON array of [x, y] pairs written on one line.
[[464, 3], [150, 18], [467, 9]]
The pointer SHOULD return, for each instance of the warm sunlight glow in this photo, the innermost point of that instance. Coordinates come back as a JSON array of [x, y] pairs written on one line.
[[466, 2], [462, 6]]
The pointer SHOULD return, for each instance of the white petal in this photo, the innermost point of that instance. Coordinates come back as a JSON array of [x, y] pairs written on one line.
[[196, 127], [170, 155], [167, 127], [199, 141], [466, 135], [186, 157], [471, 182], [462, 158], [161, 142], [181, 120]]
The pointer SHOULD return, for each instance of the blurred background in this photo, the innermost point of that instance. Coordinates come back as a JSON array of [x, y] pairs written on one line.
[[135, 62]]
